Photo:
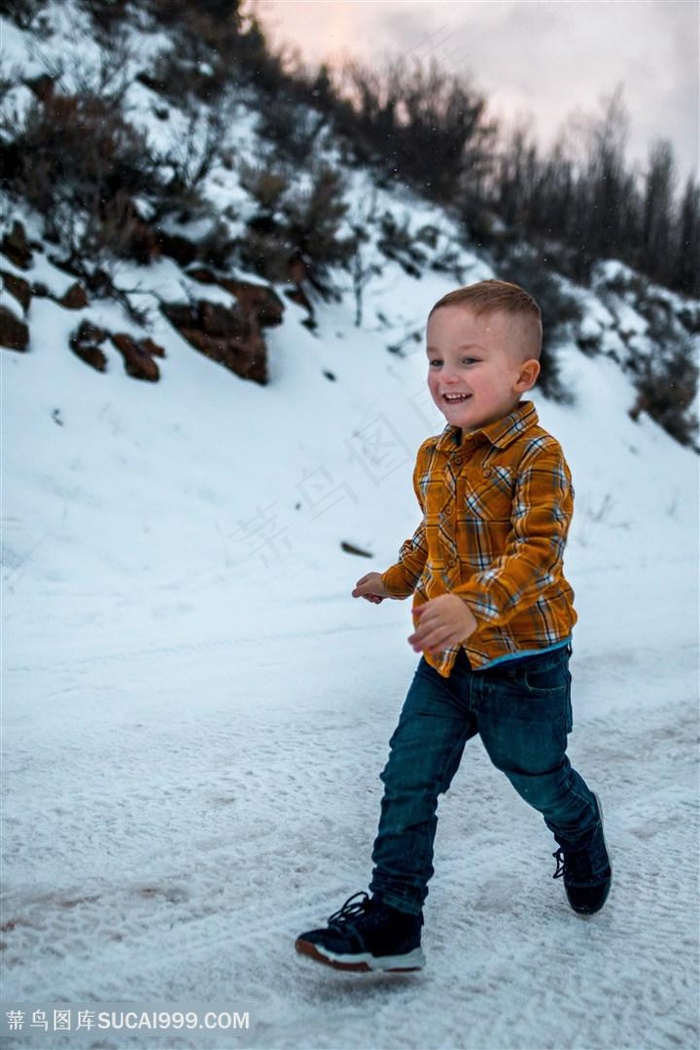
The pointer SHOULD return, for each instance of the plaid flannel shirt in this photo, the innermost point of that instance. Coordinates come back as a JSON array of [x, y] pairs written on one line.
[[496, 505]]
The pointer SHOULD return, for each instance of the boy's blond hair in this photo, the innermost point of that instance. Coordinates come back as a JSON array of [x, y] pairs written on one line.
[[492, 296]]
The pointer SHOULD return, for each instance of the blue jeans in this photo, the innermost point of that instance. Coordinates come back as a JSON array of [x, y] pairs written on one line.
[[522, 710]]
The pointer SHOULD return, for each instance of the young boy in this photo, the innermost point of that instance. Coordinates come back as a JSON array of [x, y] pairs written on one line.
[[493, 616]]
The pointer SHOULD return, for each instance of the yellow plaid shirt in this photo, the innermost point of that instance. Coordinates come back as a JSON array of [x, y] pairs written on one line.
[[496, 505]]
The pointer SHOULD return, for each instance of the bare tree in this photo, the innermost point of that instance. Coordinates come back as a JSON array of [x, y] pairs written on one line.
[[658, 210], [420, 123], [686, 271]]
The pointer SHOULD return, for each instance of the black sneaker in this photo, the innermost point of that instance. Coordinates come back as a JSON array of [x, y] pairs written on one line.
[[587, 872], [366, 934]]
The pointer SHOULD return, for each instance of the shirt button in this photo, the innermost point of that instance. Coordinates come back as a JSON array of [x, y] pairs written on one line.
[[458, 460]]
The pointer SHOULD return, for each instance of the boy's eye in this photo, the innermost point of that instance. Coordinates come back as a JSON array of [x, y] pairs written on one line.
[[469, 360], [434, 362]]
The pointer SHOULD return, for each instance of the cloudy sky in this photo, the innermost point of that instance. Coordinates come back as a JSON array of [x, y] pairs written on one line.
[[543, 58]]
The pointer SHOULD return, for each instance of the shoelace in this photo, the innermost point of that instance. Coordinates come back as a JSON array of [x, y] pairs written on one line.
[[561, 863], [576, 864], [355, 905]]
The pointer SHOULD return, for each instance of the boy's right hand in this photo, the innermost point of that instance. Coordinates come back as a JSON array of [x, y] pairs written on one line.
[[371, 588]]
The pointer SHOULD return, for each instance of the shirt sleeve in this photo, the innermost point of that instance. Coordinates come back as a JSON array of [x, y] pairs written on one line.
[[532, 561], [401, 579]]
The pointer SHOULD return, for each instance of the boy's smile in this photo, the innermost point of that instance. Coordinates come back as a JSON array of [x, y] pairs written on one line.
[[476, 372]]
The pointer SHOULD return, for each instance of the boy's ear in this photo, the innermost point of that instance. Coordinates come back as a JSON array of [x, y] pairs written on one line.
[[527, 377]]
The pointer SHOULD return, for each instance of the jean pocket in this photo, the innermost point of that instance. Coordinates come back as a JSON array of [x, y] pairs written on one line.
[[540, 674], [546, 679]]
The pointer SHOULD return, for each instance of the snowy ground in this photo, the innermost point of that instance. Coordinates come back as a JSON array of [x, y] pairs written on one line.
[[196, 712]]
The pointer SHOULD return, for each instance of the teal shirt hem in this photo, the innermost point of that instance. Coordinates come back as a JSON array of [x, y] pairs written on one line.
[[525, 652]]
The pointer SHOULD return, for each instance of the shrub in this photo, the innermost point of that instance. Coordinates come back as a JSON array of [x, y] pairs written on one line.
[[189, 163], [398, 242], [76, 161], [292, 129], [183, 74], [297, 224], [215, 46], [107, 15], [667, 386], [172, 12], [313, 218], [266, 183], [21, 12]]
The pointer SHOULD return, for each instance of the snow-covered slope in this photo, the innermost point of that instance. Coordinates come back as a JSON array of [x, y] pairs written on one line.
[[195, 711]]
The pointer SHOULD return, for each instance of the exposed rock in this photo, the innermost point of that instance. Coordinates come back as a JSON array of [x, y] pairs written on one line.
[[43, 87], [257, 301], [231, 336], [138, 354], [91, 332], [257, 298], [75, 298], [17, 287], [137, 362], [151, 348], [144, 245], [14, 333], [221, 333], [15, 246], [178, 248], [203, 274], [85, 343]]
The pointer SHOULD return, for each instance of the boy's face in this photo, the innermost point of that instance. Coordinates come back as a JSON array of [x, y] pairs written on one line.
[[476, 374]]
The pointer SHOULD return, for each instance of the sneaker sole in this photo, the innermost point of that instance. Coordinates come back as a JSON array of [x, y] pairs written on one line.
[[365, 962]]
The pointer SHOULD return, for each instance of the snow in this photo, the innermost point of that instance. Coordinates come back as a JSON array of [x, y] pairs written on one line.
[[195, 711]]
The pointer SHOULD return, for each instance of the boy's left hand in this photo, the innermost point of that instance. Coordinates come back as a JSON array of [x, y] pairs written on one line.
[[442, 623]]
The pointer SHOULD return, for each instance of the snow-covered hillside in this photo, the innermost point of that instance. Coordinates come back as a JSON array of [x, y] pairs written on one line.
[[195, 711]]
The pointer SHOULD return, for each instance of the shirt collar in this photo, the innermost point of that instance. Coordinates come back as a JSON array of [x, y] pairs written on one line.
[[501, 433]]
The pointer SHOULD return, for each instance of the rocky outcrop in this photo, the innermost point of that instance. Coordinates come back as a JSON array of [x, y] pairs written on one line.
[[85, 342], [14, 334], [182, 250], [230, 335], [74, 298], [137, 361], [43, 86], [18, 288], [15, 246], [138, 354], [149, 347]]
